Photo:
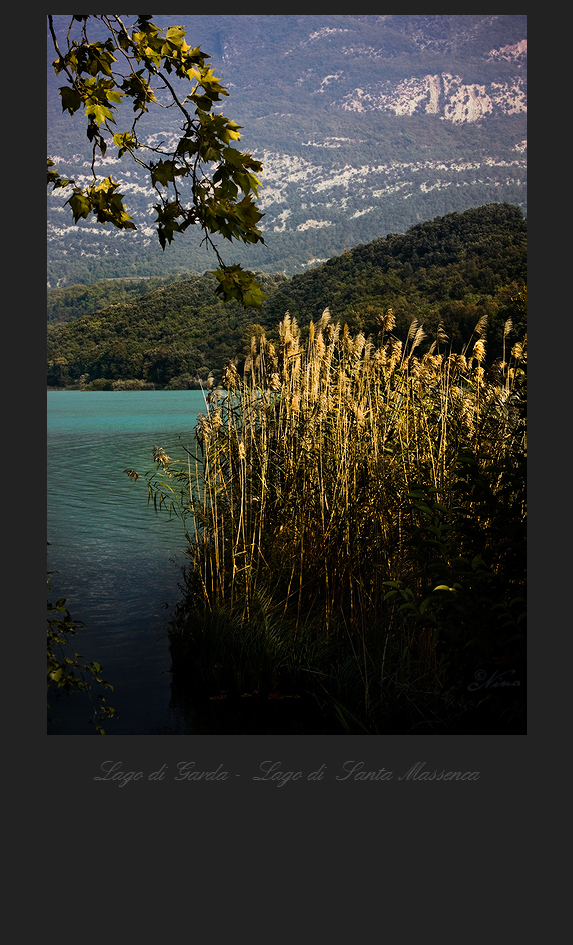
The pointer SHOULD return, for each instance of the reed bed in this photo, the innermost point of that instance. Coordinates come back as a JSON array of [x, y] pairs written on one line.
[[349, 503]]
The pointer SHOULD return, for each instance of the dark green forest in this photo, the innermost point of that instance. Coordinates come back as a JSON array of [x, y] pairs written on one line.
[[67, 304], [448, 273]]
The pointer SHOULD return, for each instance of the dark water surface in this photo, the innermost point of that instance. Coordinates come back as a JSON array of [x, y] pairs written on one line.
[[118, 562]]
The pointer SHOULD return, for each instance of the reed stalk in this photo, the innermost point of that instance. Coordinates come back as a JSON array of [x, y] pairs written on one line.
[[301, 498]]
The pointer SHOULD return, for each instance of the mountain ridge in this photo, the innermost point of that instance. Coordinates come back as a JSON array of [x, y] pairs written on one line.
[[365, 124]]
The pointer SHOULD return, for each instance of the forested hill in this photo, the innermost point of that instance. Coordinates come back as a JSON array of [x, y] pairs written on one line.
[[452, 270], [71, 302]]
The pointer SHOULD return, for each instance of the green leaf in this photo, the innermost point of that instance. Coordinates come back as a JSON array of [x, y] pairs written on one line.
[[54, 177], [99, 113], [237, 283], [125, 142], [164, 172], [71, 99]]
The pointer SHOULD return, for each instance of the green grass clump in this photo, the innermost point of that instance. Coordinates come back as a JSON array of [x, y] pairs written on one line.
[[356, 522]]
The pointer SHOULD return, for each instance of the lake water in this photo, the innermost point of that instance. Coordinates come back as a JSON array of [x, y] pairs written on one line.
[[118, 562]]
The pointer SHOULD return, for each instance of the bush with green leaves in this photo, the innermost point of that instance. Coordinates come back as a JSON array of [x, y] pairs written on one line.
[[68, 672]]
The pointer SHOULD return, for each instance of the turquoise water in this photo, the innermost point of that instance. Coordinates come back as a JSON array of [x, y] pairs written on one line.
[[118, 562]]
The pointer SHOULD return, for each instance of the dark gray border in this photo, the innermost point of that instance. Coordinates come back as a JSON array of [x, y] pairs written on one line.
[[69, 764]]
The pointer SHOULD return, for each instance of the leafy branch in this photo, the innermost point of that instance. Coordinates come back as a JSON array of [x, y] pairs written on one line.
[[203, 180]]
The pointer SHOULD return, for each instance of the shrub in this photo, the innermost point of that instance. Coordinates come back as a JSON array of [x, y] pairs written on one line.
[[67, 671]]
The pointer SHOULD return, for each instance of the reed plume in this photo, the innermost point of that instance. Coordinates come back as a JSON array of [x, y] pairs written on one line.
[[302, 495]]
